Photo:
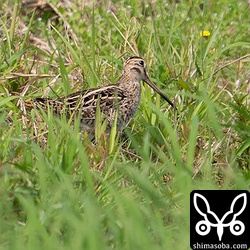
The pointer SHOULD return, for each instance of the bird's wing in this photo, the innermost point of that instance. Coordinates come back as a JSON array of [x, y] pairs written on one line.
[[86, 101]]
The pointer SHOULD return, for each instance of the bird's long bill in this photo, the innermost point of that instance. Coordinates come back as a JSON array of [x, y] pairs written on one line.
[[153, 86]]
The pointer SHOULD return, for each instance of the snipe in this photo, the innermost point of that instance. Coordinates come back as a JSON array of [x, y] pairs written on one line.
[[122, 97]]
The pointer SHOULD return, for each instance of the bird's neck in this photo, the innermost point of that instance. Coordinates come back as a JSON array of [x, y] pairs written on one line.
[[130, 85]]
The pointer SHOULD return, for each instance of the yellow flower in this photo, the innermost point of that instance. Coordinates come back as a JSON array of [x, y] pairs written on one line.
[[205, 33]]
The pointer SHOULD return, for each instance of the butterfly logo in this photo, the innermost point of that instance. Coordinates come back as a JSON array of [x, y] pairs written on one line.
[[203, 227]]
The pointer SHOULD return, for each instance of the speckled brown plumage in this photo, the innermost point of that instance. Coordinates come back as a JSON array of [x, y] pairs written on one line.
[[122, 97]]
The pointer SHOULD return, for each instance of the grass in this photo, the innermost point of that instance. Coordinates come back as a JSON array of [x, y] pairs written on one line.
[[58, 190]]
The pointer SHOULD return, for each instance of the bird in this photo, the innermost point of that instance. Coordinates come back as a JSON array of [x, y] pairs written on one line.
[[116, 102]]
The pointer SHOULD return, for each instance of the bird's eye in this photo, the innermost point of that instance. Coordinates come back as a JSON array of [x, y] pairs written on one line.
[[141, 62]]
